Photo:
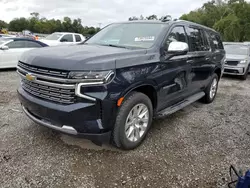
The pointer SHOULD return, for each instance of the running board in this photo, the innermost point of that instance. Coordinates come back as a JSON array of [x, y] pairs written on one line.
[[180, 105]]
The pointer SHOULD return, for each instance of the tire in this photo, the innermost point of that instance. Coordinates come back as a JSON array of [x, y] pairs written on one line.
[[209, 98], [244, 77], [133, 101]]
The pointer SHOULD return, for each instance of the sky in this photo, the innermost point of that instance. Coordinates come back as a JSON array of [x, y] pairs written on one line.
[[96, 12]]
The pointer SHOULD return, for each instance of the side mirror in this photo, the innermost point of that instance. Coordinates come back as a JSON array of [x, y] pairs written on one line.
[[177, 48], [4, 47]]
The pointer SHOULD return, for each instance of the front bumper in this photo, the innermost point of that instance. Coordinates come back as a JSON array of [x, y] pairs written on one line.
[[80, 119], [234, 70]]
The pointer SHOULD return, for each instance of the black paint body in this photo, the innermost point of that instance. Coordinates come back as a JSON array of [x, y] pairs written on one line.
[[166, 81]]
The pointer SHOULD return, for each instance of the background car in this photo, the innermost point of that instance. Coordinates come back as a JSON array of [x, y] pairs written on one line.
[[60, 38], [6, 35], [237, 59], [12, 48]]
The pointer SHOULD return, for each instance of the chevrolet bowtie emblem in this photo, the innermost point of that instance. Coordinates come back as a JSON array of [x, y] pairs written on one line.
[[30, 77]]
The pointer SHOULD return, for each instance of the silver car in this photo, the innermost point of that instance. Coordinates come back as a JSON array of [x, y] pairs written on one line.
[[237, 59]]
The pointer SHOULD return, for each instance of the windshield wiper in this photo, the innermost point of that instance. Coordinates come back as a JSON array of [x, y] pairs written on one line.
[[113, 45]]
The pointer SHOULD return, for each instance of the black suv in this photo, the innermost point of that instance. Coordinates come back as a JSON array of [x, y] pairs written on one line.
[[112, 86]]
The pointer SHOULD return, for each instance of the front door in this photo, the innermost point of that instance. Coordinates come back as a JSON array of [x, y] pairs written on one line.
[[175, 72]]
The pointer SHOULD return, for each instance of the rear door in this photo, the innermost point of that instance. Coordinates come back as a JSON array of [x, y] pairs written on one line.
[[175, 72], [200, 56], [217, 49], [78, 38]]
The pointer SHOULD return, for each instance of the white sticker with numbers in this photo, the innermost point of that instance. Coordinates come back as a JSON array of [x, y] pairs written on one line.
[[143, 39]]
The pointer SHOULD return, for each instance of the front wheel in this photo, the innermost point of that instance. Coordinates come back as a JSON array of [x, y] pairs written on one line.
[[133, 121], [211, 90], [244, 77]]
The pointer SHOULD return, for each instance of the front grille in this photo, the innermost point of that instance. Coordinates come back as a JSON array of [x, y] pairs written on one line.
[[44, 71], [233, 63], [50, 93], [48, 84]]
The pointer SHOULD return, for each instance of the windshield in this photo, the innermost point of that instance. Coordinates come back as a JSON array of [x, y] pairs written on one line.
[[139, 35], [54, 36], [3, 40], [236, 49]]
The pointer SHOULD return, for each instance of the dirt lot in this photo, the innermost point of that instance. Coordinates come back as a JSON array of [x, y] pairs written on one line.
[[191, 148]]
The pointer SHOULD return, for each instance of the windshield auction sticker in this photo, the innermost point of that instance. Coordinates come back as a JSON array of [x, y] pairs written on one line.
[[142, 39]]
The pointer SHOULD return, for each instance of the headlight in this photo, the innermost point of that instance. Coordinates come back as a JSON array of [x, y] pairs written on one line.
[[243, 61], [92, 77]]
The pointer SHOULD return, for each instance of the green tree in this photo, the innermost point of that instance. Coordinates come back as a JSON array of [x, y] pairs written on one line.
[[230, 18], [3, 24], [18, 24]]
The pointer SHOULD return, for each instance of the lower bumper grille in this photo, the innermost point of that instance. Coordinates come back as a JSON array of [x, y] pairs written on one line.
[[232, 63], [231, 71], [59, 95]]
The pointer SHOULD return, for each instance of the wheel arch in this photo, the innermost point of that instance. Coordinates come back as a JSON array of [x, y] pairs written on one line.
[[218, 71], [147, 89]]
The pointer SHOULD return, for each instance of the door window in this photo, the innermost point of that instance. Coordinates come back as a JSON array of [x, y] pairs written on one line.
[[67, 38], [177, 34], [217, 43], [17, 44], [206, 41], [30, 44], [78, 38], [196, 41]]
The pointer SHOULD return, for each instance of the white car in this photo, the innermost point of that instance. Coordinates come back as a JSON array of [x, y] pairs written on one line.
[[11, 50], [6, 36], [60, 38]]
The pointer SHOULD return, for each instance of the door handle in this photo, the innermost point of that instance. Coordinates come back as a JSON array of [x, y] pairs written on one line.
[[207, 59], [190, 61]]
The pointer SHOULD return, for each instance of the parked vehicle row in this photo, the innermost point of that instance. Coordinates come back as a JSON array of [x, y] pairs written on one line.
[[110, 88], [60, 38], [11, 48]]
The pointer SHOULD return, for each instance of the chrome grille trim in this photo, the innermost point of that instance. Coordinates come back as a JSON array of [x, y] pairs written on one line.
[[43, 71], [48, 87], [44, 77], [55, 99], [29, 86], [63, 86]]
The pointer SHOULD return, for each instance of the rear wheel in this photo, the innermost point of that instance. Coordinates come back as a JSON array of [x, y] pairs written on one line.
[[211, 90], [133, 121]]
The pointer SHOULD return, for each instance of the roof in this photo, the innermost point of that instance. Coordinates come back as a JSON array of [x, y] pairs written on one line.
[[67, 33], [27, 39], [169, 23], [21, 38]]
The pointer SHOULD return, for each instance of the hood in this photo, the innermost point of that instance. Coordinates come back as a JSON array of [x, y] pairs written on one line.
[[235, 57], [81, 57]]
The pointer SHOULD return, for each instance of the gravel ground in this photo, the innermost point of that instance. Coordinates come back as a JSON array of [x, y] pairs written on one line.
[[191, 148]]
